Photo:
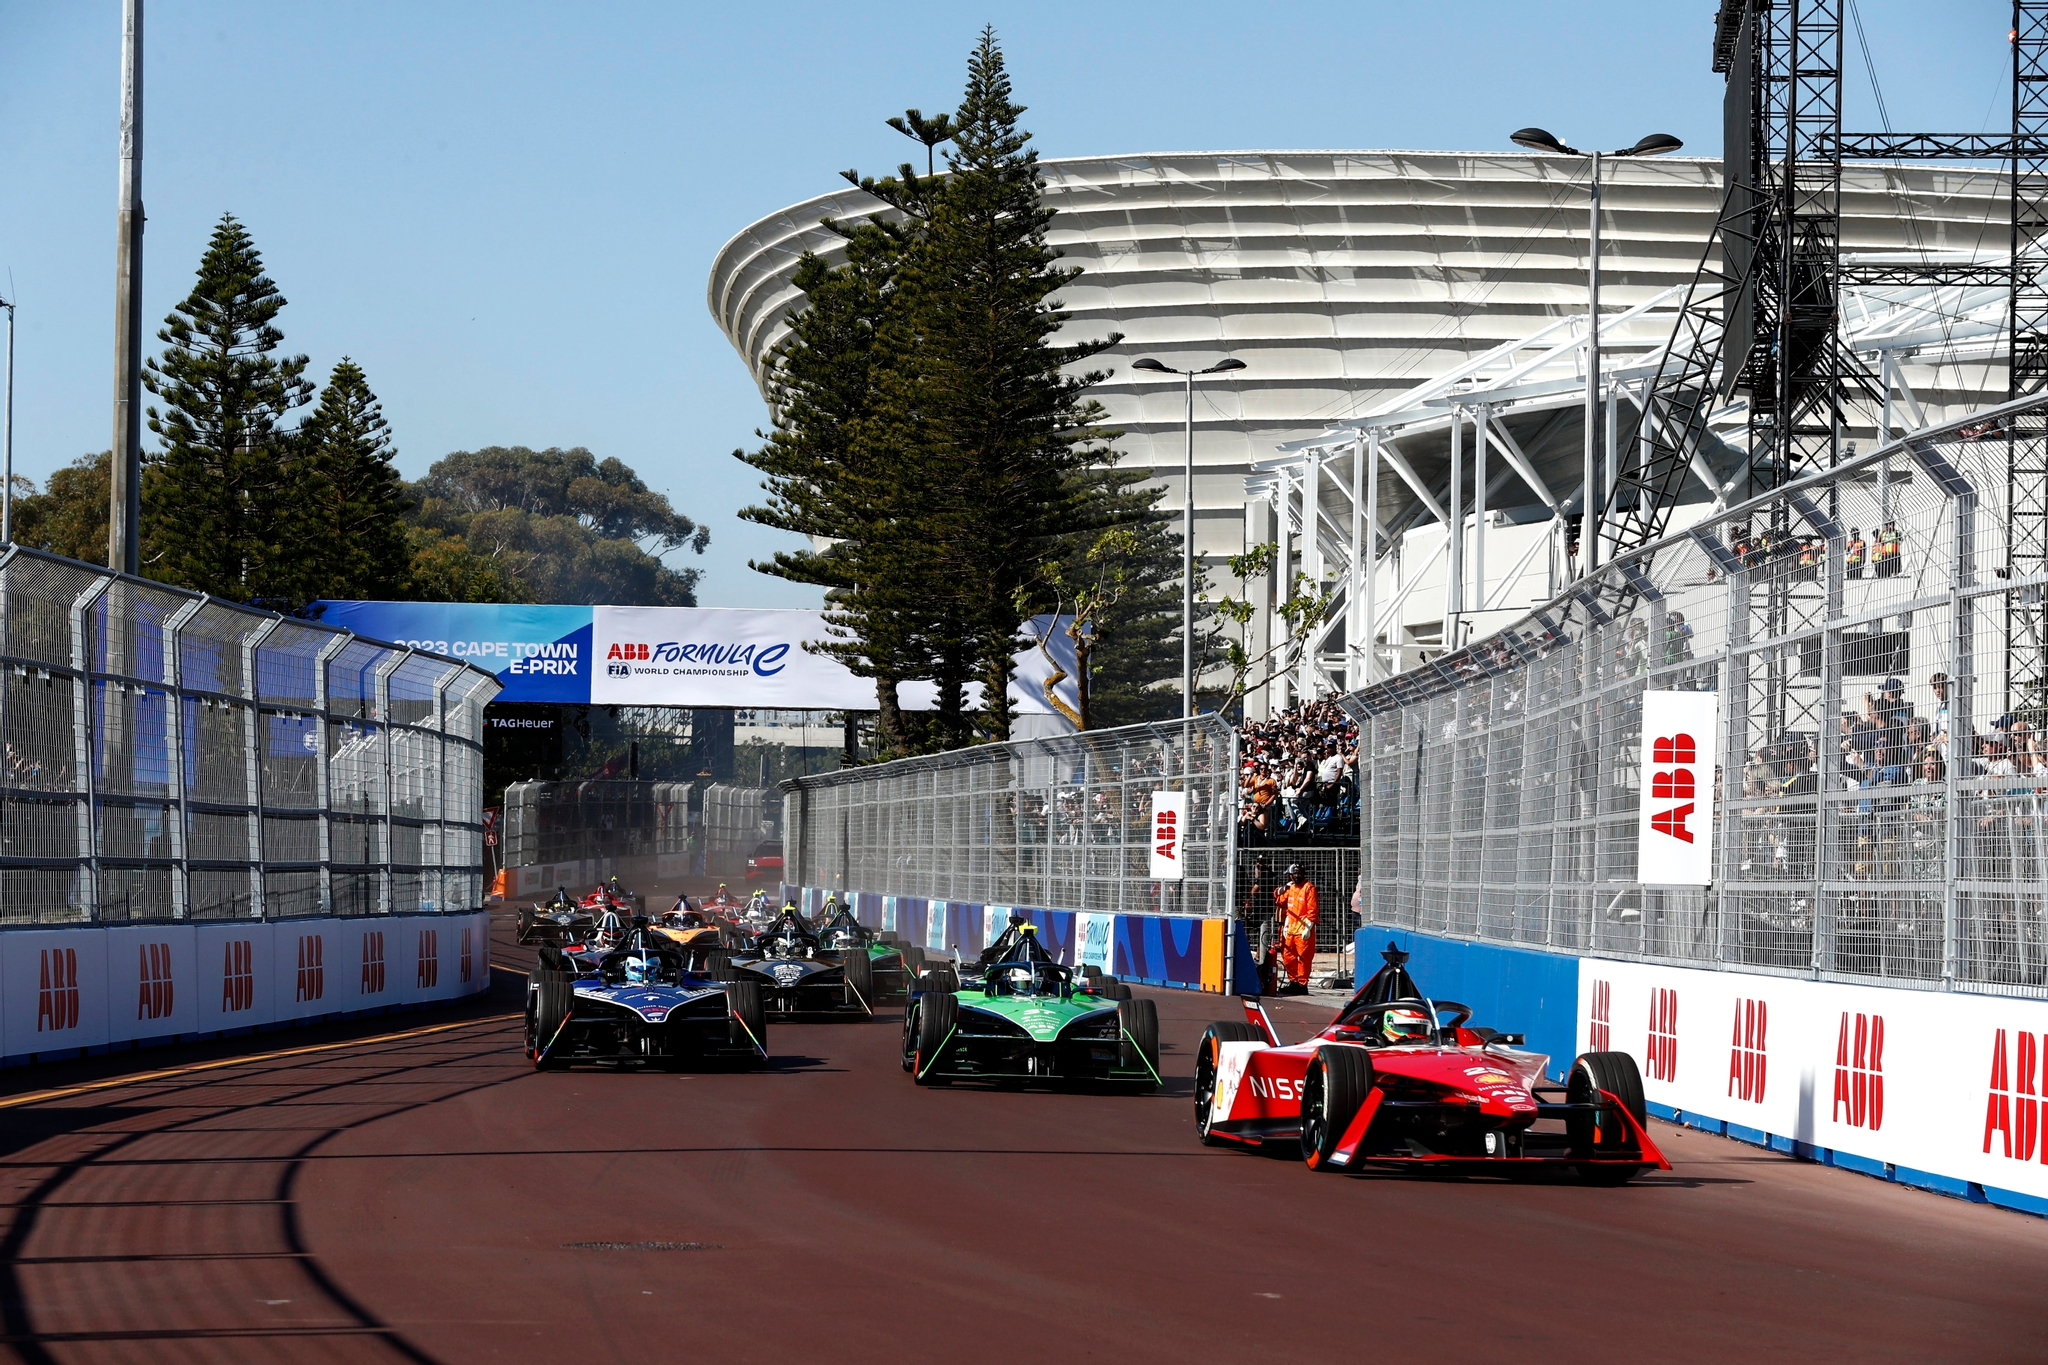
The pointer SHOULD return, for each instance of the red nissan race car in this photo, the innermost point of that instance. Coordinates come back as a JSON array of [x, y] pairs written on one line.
[[1398, 1079]]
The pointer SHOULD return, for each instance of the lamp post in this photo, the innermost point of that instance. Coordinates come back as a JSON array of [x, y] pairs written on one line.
[[1187, 524], [7, 436], [1656, 144]]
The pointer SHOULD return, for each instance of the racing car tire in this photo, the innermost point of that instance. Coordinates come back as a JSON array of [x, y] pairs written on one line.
[[937, 1016], [1222, 1031], [1090, 972], [751, 1010], [1109, 988], [1338, 1080], [860, 975], [547, 1010], [940, 980], [910, 1017], [1616, 1073], [913, 961], [718, 965], [1140, 1022]]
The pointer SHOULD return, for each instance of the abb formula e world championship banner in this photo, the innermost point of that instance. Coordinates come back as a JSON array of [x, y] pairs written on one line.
[[1675, 816], [665, 656]]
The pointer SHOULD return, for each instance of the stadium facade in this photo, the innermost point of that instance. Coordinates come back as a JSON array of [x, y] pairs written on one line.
[[1355, 284]]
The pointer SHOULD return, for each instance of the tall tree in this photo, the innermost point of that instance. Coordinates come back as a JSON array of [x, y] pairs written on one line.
[[353, 504], [227, 496], [978, 399]]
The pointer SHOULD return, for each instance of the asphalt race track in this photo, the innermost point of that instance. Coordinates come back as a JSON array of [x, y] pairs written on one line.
[[410, 1190]]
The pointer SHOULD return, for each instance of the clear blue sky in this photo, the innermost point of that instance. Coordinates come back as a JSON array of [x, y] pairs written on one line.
[[505, 212]]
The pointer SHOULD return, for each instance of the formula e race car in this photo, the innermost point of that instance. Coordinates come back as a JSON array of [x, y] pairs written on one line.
[[893, 963], [699, 935], [1028, 1019], [556, 920], [639, 1004], [1398, 1079], [797, 974]]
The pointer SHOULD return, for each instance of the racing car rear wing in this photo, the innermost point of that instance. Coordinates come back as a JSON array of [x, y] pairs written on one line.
[[1255, 1015]]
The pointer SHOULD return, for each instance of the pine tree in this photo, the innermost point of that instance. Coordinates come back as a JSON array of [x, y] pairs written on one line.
[[229, 469], [352, 503], [975, 397]]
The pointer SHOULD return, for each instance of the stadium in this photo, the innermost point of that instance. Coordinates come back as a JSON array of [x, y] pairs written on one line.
[[1359, 284]]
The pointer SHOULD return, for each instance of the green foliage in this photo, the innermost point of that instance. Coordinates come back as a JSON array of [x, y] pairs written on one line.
[[69, 516], [1306, 605], [228, 498], [560, 524], [1135, 663], [352, 503]]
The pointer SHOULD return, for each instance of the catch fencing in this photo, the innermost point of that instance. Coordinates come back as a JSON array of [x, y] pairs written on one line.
[[169, 756], [1880, 798], [1059, 823]]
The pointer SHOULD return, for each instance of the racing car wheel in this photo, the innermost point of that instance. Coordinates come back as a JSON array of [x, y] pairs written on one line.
[[1605, 1133], [1220, 1032], [937, 1015], [1338, 1080], [1139, 1020]]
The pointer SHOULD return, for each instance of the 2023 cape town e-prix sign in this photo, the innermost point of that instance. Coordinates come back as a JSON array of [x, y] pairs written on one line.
[[656, 656]]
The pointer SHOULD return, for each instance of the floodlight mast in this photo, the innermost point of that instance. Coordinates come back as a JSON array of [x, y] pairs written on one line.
[[1187, 564], [1653, 144]]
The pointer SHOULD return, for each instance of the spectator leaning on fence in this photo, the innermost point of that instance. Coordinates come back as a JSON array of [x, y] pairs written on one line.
[[1299, 914]]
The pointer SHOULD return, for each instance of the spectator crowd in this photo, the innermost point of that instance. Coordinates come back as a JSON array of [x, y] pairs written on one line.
[[1298, 777]]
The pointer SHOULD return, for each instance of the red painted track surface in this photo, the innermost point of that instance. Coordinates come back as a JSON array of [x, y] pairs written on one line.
[[422, 1197]]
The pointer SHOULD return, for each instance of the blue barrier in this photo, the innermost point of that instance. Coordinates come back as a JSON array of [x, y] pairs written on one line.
[[1515, 990]]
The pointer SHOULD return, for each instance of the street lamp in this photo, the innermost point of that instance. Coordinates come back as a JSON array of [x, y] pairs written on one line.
[[7, 436], [1187, 565], [1656, 144]]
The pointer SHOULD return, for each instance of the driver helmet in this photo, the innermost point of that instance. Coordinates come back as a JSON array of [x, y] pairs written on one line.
[[1404, 1026], [640, 970]]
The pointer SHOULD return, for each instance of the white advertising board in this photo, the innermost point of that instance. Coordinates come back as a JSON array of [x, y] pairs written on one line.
[[1169, 835], [1936, 1081], [1675, 814], [737, 657]]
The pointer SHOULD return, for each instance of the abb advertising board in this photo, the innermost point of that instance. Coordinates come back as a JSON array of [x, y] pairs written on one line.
[[1169, 835], [66, 989], [1939, 1082], [1675, 815]]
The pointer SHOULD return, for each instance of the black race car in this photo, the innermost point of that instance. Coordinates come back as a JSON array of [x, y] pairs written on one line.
[[893, 963], [556, 920], [798, 974], [639, 1004]]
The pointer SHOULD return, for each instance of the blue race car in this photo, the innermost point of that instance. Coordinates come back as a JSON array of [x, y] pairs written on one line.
[[638, 1004]]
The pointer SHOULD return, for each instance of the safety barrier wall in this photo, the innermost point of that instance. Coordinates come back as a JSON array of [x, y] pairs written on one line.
[[167, 757], [1183, 952], [1905, 844], [68, 992], [1941, 1091], [1060, 822]]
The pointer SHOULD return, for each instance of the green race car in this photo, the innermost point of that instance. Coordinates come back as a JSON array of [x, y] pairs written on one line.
[[1028, 1019], [892, 964]]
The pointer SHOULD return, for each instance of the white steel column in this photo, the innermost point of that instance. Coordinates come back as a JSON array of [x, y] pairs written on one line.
[[1311, 566], [1480, 415], [1611, 421], [1454, 527], [1279, 588], [1372, 557], [1361, 572]]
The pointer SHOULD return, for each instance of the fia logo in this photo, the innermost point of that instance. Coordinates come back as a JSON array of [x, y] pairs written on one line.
[[237, 976], [617, 671], [429, 970], [1747, 1051], [467, 937], [312, 973], [153, 986], [57, 991], [1673, 757], [1599, 1029], [1859, 1072], [373, 963], [1663, 1045], [2013, 1111]]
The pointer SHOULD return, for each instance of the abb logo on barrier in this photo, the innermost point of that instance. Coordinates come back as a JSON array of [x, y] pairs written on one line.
[[312, 974], [237, 976], [373, 962], [1673, 757], [154, 989], [429, 969], [1599, 1030], [1859, 1072], [57, 991], [1663, 1044], [1166, 832], [632, 651], [468, 937], [2013, 1111], [1747, 1051]]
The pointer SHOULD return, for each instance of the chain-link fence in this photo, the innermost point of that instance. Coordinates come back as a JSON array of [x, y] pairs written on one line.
[[1058, 824], [1880, 798], [170, 756], [1262, 870]]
